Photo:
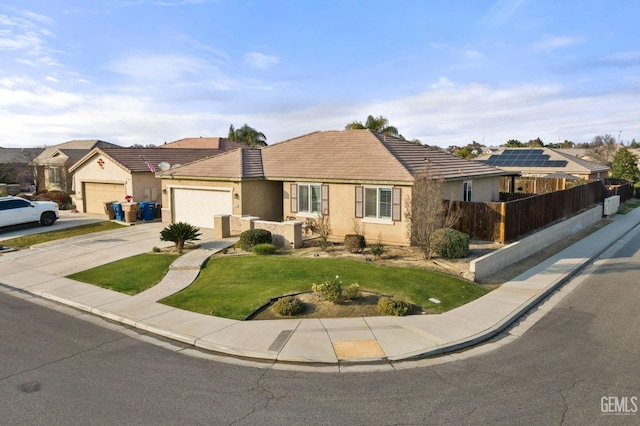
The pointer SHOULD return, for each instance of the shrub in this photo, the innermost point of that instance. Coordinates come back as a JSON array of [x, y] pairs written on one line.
[[157, 249], [377, 249], [355, 243], [62, 199], [288, 306], [449, 243], [352, 292], [330, 290], [251, 238], [391, 306], [264, 249], [179, 233]]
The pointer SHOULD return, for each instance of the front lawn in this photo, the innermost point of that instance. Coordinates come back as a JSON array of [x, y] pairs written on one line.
[[132, 275], [44, 237], [235, 286]]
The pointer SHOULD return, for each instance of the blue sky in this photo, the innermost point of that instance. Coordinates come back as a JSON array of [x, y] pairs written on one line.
[[445, 72]]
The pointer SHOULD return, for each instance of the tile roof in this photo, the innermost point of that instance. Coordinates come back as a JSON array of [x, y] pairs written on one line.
[[74, 145], [243, 163], [362, 155], [18, 155], [222, 144], [558, 161], [346, 155], [135, 159]]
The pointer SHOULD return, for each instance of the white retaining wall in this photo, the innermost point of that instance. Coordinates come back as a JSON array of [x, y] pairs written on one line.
[[490, 263]]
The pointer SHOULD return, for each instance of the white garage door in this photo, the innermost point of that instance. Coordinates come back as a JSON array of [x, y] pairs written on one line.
[[198, 206], [96, 194]]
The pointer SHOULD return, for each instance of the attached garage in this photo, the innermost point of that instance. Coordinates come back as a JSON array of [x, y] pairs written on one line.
[[96, 194], [198, 206]]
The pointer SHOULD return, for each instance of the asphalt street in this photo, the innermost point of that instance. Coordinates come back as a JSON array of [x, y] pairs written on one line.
[[583, 350]]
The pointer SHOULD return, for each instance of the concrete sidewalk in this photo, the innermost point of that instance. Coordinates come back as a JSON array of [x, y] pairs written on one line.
[[373, 341]]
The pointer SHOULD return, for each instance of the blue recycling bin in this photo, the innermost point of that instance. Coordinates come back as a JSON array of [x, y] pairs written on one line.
[[148, 209], [117, 208]]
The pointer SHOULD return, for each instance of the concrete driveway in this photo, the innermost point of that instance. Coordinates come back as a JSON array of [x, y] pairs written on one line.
[[67, 220]]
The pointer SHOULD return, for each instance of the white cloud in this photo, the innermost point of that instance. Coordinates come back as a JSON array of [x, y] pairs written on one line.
[[158, 67], [557, 42], [473, 54], [501, 11], [259, 60], [443, 83]]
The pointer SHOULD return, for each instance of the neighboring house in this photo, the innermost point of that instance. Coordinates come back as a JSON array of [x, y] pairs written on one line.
[[541, 162], [51, 167], [15, 165], [221, 144], [359, 178], [109, 174]]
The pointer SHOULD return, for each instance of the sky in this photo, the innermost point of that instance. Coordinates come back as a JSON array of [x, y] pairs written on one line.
[[444, 72]]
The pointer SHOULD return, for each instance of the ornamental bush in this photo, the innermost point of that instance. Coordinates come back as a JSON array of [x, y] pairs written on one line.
[[391, 306], [449, 243], [251, 238], [264, 249], [355, 243], [352, 292], [330, 290], [288, 306]]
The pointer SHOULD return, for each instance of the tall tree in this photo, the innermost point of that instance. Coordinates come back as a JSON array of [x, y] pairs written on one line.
[[602, 149], [625, 165], [535, 142], [514, 143], [376, 124], [427, 211], [247, 135]]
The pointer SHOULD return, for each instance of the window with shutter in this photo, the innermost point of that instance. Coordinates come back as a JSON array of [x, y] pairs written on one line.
[[293, 196]]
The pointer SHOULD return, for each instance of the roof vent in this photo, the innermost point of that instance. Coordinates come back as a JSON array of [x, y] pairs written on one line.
[[164, 166]]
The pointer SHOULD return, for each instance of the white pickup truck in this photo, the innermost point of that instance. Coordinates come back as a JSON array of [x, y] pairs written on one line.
[[16, 210]]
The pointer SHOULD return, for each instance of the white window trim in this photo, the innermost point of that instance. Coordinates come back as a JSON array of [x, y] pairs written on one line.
[[382, 221], [309, 214]]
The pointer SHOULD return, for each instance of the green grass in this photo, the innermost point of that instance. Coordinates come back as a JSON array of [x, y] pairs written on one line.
[[132, 275], [30, 240], [235, 286], [629, 206]]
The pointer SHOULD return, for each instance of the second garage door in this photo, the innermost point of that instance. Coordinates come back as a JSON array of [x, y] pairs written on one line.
[[198, 206], [96, 194]]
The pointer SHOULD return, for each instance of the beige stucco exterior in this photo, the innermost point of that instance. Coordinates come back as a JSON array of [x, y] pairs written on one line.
[[271, 201], [100, 169], [342, 216], [256, 198], [484, 189]]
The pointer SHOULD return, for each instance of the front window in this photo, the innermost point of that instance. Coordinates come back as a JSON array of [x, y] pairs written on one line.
[[55, 176], [377, 203], [309, 198]]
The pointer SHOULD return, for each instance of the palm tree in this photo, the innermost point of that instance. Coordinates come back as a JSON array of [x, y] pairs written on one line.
[[375, 124], [247, 135], [179, 233]]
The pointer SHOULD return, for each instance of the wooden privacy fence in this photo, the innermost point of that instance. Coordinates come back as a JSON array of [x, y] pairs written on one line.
[[620, 187], [537, 185], [507, 221]]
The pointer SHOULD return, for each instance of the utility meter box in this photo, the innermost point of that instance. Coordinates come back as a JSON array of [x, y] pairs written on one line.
[[611, 205]]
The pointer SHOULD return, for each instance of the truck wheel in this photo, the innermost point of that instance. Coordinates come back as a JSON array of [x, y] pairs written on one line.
[[47, 219]]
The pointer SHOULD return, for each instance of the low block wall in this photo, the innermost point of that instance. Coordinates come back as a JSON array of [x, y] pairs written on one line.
[[488, 264]]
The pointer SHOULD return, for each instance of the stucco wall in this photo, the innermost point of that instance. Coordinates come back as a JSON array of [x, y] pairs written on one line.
[[262, 198], [483, 189], [92, 171], [514, 252], [343, 219]]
